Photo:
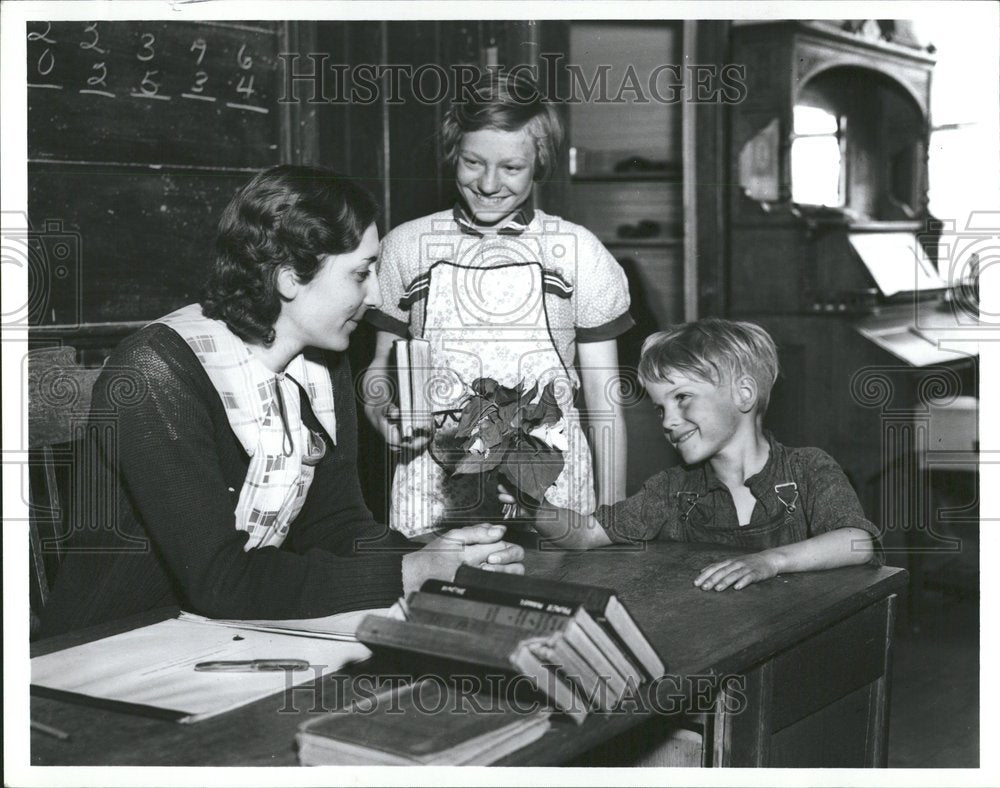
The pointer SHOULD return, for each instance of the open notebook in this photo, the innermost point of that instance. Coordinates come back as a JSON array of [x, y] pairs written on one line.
[[150, 670]]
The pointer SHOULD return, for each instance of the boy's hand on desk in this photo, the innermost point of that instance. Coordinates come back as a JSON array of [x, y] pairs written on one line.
[[737, 572], [476, 545]]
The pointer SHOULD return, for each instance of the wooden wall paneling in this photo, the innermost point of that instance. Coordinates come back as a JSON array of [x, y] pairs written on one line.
[[519, 42], [767, 270], [788, 412], [363, 136], [415, 185], [656, 302], [334, 133], [351, 129], [300, 141], [554, 196], [706, 173], [460, 42], [653, 273]]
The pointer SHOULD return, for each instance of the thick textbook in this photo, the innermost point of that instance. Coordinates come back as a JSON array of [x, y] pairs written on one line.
[[602, 604], [427, 722], [502, 651]]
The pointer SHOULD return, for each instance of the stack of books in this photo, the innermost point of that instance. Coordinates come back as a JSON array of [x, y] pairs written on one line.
[[564, 646]]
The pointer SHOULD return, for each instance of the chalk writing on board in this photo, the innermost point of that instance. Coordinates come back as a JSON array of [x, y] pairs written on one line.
[[97, 82], [46, 61], [197, 89], [93, 43], [153, 74], [244, 85], [151, 89], [149, 85]]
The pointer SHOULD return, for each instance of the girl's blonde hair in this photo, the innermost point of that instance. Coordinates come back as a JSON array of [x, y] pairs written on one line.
[[508, 102]]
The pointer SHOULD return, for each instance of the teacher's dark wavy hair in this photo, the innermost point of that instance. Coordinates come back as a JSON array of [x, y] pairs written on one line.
[[287, 215]]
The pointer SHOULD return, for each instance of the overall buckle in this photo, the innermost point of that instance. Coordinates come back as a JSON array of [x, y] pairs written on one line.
[[781, 490]]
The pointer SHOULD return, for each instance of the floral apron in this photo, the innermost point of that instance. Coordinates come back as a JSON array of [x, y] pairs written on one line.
[[487, 322]]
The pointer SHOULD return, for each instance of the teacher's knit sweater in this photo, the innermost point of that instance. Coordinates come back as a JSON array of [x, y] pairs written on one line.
[[152, 508]]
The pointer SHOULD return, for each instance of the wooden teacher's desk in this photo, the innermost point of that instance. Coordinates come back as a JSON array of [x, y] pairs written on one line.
[[790, 672]]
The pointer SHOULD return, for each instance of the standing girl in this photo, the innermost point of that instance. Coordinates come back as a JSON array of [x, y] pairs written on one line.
[[503, 291]]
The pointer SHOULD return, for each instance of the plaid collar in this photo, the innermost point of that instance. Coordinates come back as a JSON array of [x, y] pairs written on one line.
[[264, 412], [515, 225]]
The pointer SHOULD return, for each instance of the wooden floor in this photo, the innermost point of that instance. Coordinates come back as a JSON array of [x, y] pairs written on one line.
[[934, 722]]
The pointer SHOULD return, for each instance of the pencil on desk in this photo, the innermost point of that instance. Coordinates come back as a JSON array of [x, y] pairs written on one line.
[[48, 730]]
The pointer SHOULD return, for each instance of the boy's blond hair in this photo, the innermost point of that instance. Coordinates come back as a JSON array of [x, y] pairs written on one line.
[[715, 350]]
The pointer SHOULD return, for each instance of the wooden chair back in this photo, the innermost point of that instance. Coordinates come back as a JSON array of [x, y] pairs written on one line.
[[59, 394]]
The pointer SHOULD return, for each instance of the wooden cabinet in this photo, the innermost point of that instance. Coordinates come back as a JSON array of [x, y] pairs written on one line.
[[797, 269]]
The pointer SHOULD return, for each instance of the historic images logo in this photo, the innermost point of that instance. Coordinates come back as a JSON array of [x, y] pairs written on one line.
[[310, 78]]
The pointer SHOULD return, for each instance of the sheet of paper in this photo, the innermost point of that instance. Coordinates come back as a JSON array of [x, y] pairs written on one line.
[[897, 262], [340, 626], [154, 666]]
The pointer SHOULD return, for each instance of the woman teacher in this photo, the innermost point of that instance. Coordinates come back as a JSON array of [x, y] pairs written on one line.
[[232, 463]]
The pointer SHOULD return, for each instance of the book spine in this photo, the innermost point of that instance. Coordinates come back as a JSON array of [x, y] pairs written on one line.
[[420, 374], [498, 596], [439, 642], [524, 617], [402, 348], [593, 598]]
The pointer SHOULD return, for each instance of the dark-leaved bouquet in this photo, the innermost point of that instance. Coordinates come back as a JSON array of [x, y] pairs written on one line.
[[501, 431]]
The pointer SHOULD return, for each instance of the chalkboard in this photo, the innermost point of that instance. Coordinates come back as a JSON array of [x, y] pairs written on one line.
[[153, 92], [139, 243], [139, 133]]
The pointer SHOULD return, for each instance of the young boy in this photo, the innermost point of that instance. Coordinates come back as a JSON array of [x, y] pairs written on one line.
[[792, 510]]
